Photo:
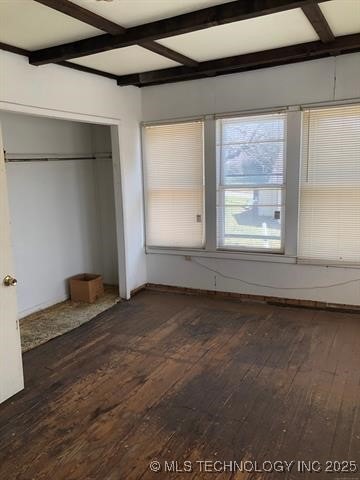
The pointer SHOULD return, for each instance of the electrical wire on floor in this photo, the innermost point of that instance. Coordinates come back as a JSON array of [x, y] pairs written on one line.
[[253, 284]]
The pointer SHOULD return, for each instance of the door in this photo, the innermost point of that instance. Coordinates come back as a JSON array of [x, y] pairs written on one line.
[[11, 371]]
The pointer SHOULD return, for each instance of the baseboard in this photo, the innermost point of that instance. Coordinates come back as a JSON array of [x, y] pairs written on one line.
[[278, 301], [138, 289]]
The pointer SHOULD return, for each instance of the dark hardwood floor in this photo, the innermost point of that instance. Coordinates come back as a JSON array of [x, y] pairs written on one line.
[[188, 378]]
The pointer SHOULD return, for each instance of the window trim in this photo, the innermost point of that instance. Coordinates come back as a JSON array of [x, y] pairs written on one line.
[[225, 254], [172, 121]]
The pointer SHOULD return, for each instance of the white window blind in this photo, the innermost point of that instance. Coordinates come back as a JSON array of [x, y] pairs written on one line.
[[174, 185], [330, 185], [250, 196]]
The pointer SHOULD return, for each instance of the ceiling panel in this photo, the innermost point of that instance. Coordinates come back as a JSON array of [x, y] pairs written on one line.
[[129, 13], [343, 16], [256, 34], [30, 25], [126, 60]]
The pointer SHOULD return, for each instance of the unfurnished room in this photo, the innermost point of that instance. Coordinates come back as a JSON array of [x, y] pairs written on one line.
[[179, 239]]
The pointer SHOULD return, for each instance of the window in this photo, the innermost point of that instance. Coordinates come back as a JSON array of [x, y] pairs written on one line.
[[250, 195], [330, 184], [174, 185]]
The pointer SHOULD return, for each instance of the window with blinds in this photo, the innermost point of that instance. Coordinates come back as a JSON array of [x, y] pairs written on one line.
[[329, 224], [250, 195], [174, 184]]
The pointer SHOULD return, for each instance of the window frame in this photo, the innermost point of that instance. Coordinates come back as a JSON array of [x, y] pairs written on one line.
[[222, 187], [210, 170], [292, 167]]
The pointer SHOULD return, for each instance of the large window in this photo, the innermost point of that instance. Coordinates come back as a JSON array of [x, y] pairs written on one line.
[[250, 196], [174, 185], [246, 184], [330, 184]]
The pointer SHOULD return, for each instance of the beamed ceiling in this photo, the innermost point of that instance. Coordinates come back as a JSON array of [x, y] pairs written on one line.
[[150, 42]]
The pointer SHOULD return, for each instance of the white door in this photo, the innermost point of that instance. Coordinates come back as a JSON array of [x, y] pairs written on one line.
[[11, 371]]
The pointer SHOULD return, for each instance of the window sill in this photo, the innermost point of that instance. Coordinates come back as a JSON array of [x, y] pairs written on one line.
[[230, 255], [248, 256], [326, 263]]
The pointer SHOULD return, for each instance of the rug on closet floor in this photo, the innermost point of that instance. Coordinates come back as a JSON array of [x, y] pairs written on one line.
[[42, 326]]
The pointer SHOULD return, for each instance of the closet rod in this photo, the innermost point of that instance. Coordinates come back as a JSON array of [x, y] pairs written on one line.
[[53, 159]]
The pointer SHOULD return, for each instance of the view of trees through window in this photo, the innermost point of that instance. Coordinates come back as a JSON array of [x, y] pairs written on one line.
[[250, 191]]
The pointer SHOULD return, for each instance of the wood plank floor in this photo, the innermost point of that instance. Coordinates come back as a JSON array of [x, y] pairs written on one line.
[[188, 379]]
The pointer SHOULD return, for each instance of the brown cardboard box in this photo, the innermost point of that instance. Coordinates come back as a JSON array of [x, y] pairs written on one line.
[[86, 287]]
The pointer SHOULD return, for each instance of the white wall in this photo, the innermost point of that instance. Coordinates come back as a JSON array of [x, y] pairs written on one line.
[[54, 229], [309, 82], [106, 227], [73, 93], [28, 135], [62, 212]]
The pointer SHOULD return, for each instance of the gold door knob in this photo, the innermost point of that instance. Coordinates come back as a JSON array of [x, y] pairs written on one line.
[[10, 281]]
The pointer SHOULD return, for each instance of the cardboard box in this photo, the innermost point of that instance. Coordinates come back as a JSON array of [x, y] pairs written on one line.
[[86, 287]]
